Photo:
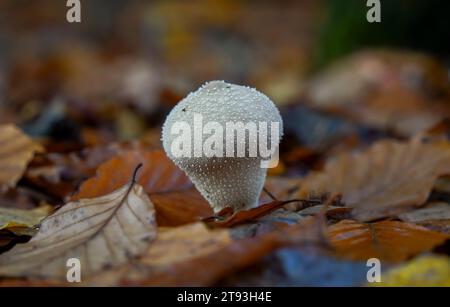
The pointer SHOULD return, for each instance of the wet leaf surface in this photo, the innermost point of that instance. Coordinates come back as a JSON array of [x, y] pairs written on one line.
[[101, 232]]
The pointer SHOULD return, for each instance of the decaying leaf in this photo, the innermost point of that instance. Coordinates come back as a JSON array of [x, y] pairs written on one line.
[[280, 187], [388, 179], [168, 187], [180, 207], [390, 241], [22, 222], [101, 232], [426, 271], [172, 248], [16, 150]]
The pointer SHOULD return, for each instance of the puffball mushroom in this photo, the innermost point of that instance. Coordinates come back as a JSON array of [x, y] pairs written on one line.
[[198, 136]]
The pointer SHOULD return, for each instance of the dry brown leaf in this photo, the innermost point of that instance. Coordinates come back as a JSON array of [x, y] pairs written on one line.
[[206, 260], [391, 241], [168, 187], [384, 89], [193, 255], [434, 216], [101, 232], [16, 151], [387, 179], [22, 222]]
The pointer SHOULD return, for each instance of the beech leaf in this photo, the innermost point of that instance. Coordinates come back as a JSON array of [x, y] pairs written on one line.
[[386, 180], [101, 232]]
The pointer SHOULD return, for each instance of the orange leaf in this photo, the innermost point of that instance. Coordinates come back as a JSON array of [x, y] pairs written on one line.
[[180, 207], [193, 255], [168, 187], [391, 241], [369, 88], [249, 215]]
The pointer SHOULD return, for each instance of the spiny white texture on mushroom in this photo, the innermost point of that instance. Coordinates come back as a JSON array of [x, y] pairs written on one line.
[[233, 181]]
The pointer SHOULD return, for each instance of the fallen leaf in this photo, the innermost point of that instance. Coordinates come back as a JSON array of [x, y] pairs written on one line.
[[387, 179], [434, 216], [5, 238], [437, 225], [101, 232], [390, 241], [172, 248], [425, 271], [22, 222], [177, 208], [167, 186], [158, 174], [16, 151], [433, 211]]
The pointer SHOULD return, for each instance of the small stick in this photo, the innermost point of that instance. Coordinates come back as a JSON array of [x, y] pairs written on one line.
[[270, 194]]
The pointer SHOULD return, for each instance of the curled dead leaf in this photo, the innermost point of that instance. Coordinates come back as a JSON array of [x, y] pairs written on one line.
[[16, 151], [193, 265], [429, 271], [403, 92], [168, 187], [386, 180]]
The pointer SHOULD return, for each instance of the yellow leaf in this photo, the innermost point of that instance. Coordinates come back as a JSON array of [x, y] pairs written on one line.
[[101, 232], [184, 243], [16, 150], [431, 271], [386, 180]]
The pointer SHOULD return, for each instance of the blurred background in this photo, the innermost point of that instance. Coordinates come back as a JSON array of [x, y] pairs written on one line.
[[115, 75]]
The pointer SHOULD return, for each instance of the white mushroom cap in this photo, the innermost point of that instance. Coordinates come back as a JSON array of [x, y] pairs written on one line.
[[233, 181]]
